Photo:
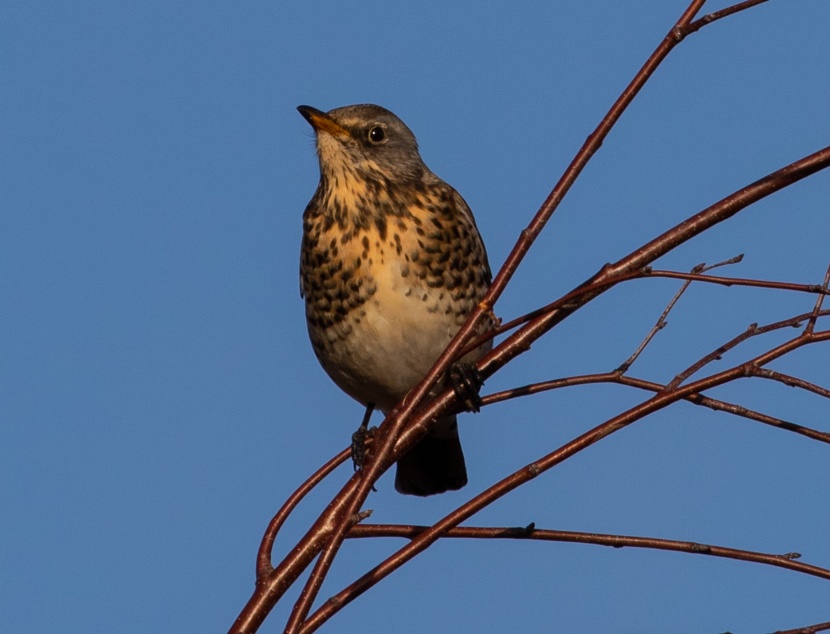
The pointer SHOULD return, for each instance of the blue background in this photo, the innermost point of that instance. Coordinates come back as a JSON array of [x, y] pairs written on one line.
[[159, 398]]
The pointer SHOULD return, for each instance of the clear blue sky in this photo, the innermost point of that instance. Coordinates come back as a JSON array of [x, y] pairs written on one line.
[[158, 395]]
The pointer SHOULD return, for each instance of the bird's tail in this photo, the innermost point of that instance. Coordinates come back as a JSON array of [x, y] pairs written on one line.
[[435, 464]]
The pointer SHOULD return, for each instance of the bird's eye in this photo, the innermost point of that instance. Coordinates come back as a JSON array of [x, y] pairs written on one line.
[[377, 134]]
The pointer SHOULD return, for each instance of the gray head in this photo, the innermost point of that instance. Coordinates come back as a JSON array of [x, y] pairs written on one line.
[[365, 141]]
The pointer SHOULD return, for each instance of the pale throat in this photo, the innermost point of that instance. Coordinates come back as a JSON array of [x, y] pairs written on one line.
[[347, 192]]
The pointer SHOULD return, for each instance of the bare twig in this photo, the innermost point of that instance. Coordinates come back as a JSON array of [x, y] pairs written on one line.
[[786, 560], [717, 15], [790, 381], [808, 629], [811, 323], [264, 567], [661, 321], [698, 399], [752, 331], [738, 281]]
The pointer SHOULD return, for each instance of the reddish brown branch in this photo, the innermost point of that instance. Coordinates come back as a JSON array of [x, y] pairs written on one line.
[[809, 629], [717, 15], [661, 321], [752, 331], [811, 324], [621, 379], [787, 560], [263, 566], [739, 281], [790, 381], [647, 272]]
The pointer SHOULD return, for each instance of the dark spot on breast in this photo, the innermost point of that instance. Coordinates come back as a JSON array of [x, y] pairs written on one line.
[[380, 224]]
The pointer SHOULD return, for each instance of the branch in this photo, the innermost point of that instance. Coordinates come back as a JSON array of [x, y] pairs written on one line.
[[809, 629], [738, 281], [661, 321], [790, 381], [752, 331], [264, 567], [787, 560], [819, 301], [717, 15], [697, 399]]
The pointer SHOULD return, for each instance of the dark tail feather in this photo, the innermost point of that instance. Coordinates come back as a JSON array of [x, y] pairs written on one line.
[[434, 465]]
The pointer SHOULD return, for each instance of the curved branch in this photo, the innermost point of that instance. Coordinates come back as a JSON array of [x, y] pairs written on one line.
[[263, 566]]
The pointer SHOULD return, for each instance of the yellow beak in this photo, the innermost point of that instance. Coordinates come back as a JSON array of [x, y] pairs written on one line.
[[320, 121]]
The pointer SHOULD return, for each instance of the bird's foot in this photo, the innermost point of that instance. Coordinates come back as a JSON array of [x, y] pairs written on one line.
[[359, 439], [466, 383]]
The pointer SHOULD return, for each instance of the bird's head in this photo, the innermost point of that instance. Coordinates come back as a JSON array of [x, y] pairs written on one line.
[[365, 142]]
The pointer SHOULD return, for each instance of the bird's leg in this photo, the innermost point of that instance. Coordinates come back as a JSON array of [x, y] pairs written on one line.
[[359, 438], [466, 383]]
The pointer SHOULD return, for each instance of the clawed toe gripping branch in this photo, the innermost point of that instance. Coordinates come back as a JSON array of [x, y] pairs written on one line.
[[412, 419]]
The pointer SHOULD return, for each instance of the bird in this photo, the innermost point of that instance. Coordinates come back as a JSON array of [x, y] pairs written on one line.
[[391, 264]]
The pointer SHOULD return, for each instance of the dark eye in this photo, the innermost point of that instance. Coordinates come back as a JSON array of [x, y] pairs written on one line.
[[376, 134]]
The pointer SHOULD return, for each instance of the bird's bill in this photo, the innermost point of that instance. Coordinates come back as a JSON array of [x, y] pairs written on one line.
[[320, 121]]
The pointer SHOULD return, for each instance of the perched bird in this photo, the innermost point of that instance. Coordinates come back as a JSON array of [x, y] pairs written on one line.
[[391, 265]]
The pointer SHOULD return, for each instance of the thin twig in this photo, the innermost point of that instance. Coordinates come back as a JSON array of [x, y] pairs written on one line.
[[737, 281], [791, 381], [263, 566], [787, 560], [646, 272], [717, 15], [811, 323], [808, 629], [658, 326], [753, 330], [661, 321], [629, 381]]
